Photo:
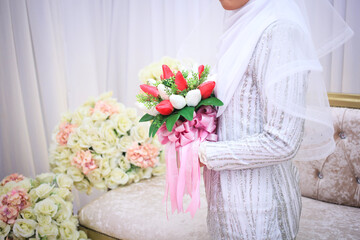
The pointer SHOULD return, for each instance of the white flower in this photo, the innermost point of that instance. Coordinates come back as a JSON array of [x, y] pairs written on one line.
[[43, 190], [140, 132], [152, 111], [146, 173], [24, 184], [131, 113], [64, 193], [46, 207], [177, 101], [161, 88], [133, 177], [95, 176], [46, 177], [75, 174], [124, 164], [193, 97], [27, 213], [43, 219], [122, 122], [24, 228], [64, 181], [83, 235], [83, 186], [4, 230], [151, 82], [68, 231], [117, 177], [124, 143], [159, 170], [48, 230]]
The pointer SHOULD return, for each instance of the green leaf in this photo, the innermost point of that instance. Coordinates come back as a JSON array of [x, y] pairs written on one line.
[[146, 117], [171, 120], [187, 113], [212, 101], [156, 124], [152, 129]]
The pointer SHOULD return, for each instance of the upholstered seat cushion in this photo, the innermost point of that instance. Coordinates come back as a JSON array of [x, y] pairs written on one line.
[[137, 212]]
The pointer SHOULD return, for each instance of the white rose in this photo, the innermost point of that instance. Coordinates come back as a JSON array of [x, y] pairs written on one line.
[[124, 164], [125, 143], [28, 213], [152, 111], [48, 230], [24, 184], [107, 132], [24, 228], [131, 113], [59, 169], [83, 235], [146, 173], [44, 190], [43, 219], [193, 98], [64, 181], [114, 162], [64, 193], [104, 165], [133, 177], [4, 230], [140, 132], [104, 147], [75, 174], [68, 231], [33, 195], [123, 123], [162, 91], [83, 186], [117, 177], [45, 177], [46, 207], [151, 82], [177, 101]]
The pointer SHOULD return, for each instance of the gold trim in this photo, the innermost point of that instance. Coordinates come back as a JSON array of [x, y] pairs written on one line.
[[344, 100], [92, 234]]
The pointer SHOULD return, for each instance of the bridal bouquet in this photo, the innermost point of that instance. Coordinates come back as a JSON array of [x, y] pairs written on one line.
[[103, 145], [38, 208], [181, 109]]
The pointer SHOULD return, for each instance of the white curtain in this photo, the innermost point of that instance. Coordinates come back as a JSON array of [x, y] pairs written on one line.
[[56, 54]]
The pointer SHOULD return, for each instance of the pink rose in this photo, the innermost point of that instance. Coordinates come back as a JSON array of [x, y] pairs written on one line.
[[12, 178], [104, 107], [65, 129], [143, 155], [84, 161]]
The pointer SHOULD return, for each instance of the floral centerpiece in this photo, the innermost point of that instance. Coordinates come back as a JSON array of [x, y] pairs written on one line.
[[181, 108], [103, 145], [38, 208]]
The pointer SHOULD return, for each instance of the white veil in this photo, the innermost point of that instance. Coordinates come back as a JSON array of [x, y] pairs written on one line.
[[228, 38]]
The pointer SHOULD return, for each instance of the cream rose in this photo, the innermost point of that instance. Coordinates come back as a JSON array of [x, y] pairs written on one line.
[[4, 230], [45, 178], [95, 176], [117, 177], [48, 230], [64, 193], [46, 207], [124, 164], [131, 113], [24, 184], [43, 219], [83, 186], [24, 228], [107, 132], [123, 123], [75, 174], [68, 231], [43, 190], [64, 181], [159, 170], [125, 142], [140, 132], [146, 172], [82, 235], [28, 213]]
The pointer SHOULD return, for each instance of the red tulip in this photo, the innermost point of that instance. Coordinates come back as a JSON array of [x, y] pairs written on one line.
[[180, 81], [201, 70], [152, 90], [206, 89], [165, 107], [167, 73]]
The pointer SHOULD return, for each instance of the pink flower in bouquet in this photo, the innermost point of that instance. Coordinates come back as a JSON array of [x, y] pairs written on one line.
[[84, 161], [8, 214], [104, 107], [65, 129], [15, 177], [17, 198], [143, 155], [12, 203]]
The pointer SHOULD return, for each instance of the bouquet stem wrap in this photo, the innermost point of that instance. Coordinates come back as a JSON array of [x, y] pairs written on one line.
[[181, 153]]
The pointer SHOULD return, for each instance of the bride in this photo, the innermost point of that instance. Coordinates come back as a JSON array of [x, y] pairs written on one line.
[[274, 110]]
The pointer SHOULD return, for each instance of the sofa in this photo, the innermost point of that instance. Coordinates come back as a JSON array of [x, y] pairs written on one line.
[[330, 196]]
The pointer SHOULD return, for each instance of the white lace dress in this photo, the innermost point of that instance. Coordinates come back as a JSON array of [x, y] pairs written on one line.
[[251, 184]]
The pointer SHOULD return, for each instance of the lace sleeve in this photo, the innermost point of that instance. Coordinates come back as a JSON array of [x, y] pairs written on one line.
[[281, 134]]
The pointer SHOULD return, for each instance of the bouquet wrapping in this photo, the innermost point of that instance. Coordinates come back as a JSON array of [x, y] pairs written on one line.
[[181, 107], [39, 208], [103, 145]]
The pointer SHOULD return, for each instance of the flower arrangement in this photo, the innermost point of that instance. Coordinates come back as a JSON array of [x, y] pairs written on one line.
[[38, 208], [103, 145], [181, 108]]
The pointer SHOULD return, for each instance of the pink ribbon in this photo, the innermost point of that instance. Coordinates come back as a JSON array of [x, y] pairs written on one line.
[[181, 154]]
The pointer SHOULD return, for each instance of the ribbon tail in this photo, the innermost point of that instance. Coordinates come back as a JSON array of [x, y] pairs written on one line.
[[195, 191], [171, 175]]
